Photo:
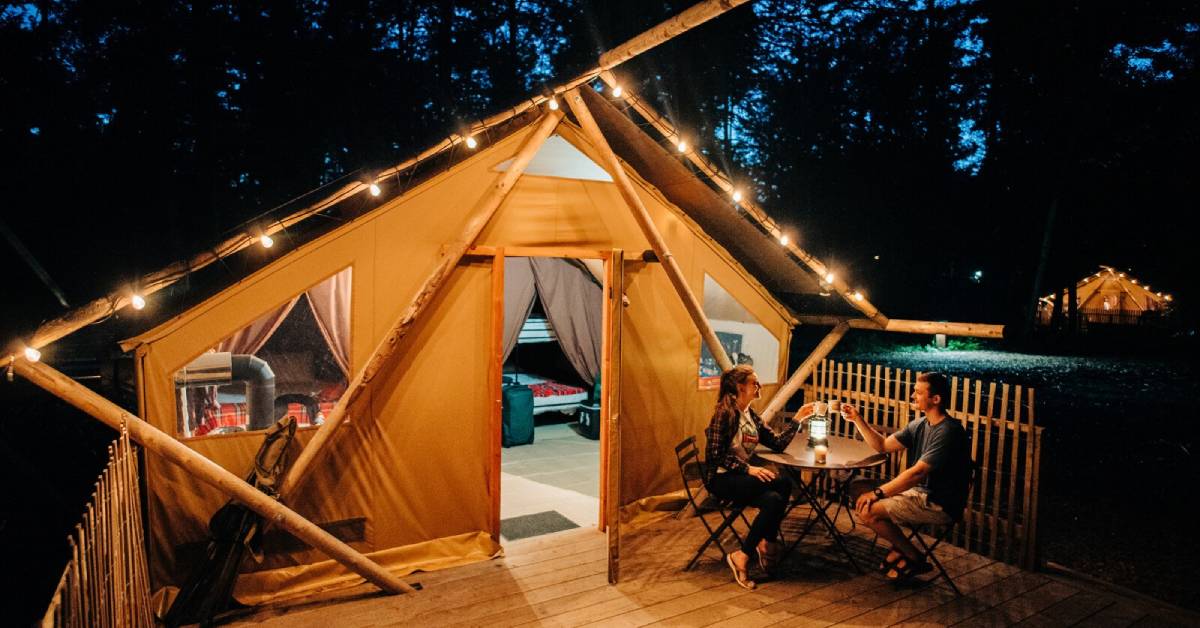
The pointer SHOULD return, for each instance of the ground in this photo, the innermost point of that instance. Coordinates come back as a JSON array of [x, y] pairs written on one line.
[[1118, 477]]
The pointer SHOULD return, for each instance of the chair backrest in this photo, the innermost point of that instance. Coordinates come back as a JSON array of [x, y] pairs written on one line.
[[691, 468]]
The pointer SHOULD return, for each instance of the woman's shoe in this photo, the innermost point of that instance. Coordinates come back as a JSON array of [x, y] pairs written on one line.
[[739, 575], [768, 559]]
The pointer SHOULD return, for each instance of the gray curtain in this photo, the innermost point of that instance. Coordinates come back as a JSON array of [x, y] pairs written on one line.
[[518, 299], [574, 304]]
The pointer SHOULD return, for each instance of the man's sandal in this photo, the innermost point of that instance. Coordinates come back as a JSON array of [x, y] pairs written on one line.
[[740, 576], [905, 569], [887, 564]]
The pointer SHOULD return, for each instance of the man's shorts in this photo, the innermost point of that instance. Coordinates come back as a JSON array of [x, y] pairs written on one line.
[[912, 507]]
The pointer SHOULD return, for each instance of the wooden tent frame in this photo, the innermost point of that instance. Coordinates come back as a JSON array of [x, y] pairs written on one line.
[[384, 353]]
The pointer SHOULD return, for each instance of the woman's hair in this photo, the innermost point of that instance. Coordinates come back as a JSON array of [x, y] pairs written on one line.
[[727, 393]]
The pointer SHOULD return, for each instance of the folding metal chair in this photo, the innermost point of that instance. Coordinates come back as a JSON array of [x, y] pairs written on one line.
[[691, 469], [940, 532]]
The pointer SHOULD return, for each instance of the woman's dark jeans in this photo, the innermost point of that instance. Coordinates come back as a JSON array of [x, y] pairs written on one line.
[[771, 499]]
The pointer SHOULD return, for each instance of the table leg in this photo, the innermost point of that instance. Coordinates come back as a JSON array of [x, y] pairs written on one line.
[[808, 494]]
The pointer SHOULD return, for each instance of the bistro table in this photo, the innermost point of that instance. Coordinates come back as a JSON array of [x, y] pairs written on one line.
[[845, 454]]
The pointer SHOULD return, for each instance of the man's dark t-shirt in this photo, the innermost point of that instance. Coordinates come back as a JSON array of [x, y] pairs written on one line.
[[947, 451]]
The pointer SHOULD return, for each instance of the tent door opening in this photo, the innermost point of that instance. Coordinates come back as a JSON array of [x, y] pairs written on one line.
[[551, 343]]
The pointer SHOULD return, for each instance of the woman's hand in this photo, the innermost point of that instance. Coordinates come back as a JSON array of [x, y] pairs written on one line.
[[762, 473]]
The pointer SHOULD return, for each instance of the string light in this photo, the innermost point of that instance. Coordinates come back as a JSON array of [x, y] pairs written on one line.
[[375, 191], [266, 241], [471, 143], [682, 145], [737, 195], [33, 355], [783, 239], [829, 277], [1167, 297], [137, 301], [617, 91], [553, 104], [858, 296]]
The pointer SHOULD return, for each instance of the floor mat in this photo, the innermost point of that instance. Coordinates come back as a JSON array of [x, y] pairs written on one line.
[[536, 524]]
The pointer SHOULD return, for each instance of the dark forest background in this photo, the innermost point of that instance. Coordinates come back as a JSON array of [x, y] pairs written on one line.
[[941, 137], [929, 151]]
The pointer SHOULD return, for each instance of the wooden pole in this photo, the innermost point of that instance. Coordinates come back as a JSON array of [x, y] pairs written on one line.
[[977, 330], [798, 378], [642, 216], [756, 212], [688, 19], [454, 251], [207, 471]]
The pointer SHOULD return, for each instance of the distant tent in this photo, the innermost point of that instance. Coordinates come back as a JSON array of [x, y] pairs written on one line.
[[1110, 297]]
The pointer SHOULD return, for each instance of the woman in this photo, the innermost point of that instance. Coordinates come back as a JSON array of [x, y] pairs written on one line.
[[733, 434]]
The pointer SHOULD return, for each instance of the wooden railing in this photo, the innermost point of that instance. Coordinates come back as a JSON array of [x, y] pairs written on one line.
[[106, 582], [1001, 517]]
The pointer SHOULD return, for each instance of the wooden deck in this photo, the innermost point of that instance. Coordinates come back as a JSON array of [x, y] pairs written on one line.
[[560, 580]]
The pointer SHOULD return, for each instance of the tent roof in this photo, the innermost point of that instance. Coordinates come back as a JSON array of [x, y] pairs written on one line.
[[756, 250]]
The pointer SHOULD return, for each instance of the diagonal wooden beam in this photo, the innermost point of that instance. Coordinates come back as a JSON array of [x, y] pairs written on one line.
[[690, 18], [485, 208], [642, 216], [976, 330], [798, 378], [723, 182], [209, 472]]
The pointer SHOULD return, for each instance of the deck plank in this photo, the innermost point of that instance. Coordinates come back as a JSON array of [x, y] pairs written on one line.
[[561, 580]]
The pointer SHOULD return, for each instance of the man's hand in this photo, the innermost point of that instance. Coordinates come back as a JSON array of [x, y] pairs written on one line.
[[762, 473], [850, 413], [863, 506]]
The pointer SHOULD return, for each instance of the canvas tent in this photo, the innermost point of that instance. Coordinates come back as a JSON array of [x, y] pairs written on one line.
[[1109, 297], [405, 468]]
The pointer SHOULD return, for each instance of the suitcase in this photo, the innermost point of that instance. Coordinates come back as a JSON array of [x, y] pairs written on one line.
[[589, 421], [589, 414], [516, 415]]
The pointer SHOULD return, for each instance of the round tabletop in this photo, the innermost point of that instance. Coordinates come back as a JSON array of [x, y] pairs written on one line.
[[844, 454]]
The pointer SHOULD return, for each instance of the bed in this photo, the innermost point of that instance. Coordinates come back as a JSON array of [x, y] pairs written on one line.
[[550, 395]]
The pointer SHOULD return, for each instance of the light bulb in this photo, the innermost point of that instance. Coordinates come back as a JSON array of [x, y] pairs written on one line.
[[858, 296], [33, 355], [617, 91], [553, 104], [783, 239], [737, 196], [375, 191], [471, 143], [829, 277], [266, 241], [682, 146], [137, 301]]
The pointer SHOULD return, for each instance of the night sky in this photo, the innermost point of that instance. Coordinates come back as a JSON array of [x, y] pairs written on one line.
[[936, 137]]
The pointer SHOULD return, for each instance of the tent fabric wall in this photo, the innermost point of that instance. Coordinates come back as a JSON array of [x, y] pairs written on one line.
[[413, 459]]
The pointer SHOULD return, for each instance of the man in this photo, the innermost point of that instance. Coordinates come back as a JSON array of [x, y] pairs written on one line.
[[933, 490]]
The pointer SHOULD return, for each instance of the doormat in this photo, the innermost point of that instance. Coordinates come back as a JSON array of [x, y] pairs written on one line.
[[536, 524]]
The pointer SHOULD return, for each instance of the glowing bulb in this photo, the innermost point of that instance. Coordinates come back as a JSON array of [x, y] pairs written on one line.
[[266, 241], [783, 239], [138, 301], [1135, 282], [1167, 297], [737, 196], [375, 191], [553, 104], [829, 278], [858, 296], [617, 91], [471, 143], [1121, 275], [876, 258], [33, 355], [682, 146]]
